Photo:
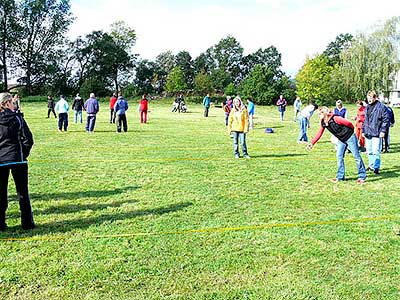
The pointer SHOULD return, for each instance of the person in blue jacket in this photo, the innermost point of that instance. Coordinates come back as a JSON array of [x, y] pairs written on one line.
[[92, 108], [374, 129], [206, 104], [250, 109], [120, 108]]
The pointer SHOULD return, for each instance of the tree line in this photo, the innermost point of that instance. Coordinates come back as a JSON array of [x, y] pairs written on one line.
[[36, 51]]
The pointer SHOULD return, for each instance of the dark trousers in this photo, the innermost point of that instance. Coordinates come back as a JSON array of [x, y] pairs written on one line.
[[63, 121], [51, 110], [20, 175], [121, 122], [90, 122], [112, 115], [206, 109]]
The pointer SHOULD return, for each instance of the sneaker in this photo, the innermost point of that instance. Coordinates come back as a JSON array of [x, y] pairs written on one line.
[[335, 180], [247, 156], [360, 181], [237, 156], [376, 171]]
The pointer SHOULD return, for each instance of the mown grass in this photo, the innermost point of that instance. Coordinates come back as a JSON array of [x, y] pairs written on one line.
[[90, 192]]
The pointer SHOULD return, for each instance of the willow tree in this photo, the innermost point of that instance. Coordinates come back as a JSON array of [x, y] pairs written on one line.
[[372, 60]]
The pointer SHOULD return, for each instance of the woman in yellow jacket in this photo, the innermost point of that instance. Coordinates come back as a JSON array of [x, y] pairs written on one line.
[[238, 126]]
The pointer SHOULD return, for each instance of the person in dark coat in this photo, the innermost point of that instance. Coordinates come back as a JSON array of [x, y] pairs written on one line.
[[16, 142], [50, 105], [374, 130]]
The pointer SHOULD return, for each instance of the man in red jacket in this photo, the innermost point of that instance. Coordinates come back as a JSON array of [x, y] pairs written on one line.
[[343, 130], [113, 100]]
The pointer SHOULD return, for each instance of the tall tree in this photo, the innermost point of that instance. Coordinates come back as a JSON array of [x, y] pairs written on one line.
[[203, 83], [185, 63], [7, 27], [269, 57], [260, 85], [372, 60], [145, 72], [41, 28], [335, 48], [227, 54], [313, 80], [176, 81]]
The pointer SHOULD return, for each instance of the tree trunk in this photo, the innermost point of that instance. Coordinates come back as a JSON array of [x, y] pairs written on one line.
[[4, 52]]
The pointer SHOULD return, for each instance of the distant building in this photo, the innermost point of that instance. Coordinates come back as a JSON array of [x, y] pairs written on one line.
[[394, 93]]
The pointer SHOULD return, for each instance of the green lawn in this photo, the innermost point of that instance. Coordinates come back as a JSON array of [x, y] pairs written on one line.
[[120, 216]]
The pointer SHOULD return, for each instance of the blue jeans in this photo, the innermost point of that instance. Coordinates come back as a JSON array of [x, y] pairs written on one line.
[[91, 121], [374, 146], [76, 114], [282, 113], [352, 144], [239, 136], [303, 124]]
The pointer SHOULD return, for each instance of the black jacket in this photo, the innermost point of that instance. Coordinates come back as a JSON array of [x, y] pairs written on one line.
[[16, 139], [77, 104]]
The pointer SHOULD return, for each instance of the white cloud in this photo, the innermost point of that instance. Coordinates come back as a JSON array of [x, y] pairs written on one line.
[[296, 28]]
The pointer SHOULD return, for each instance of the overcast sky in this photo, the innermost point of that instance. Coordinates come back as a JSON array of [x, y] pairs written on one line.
[[296, 28]]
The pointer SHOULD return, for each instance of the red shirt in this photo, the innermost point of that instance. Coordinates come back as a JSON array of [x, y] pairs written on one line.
[[112, 102], [360, 117], [144, 105], [338, 120]]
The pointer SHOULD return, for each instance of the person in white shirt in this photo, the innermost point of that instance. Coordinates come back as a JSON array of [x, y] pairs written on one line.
[[62, 108], [296, 108], [304, 121]]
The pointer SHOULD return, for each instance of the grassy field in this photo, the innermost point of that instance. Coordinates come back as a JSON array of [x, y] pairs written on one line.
[[165, 212]]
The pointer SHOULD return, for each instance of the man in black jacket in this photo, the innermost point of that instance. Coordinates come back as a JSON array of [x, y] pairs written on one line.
[[374, 129], [16, 142]]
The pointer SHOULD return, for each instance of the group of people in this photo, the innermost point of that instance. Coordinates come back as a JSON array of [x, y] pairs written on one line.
[[372, 126], [118, 108]]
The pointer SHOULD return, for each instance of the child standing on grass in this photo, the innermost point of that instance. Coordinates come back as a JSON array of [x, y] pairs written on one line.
[[343, 130], [143, 108], [238, 126]]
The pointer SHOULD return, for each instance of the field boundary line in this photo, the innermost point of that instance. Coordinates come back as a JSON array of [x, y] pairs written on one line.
[[205, 230]]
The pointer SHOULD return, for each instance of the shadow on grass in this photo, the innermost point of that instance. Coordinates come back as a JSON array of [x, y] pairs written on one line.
[[277, 155], [80, 194], [84, 223], [384, 174]]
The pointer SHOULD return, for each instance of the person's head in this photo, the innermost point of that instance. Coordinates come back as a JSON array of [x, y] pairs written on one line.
[[92, 95], [228, 98], [237, 102], [144, 96], [249, 100], [49, 97], [77, 95], [114, 94], [359, 103], [208, 95], [6, 101], [372, 97], [119, 94], [62, 97], [323, 112], [339, 103], [281, 97]]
